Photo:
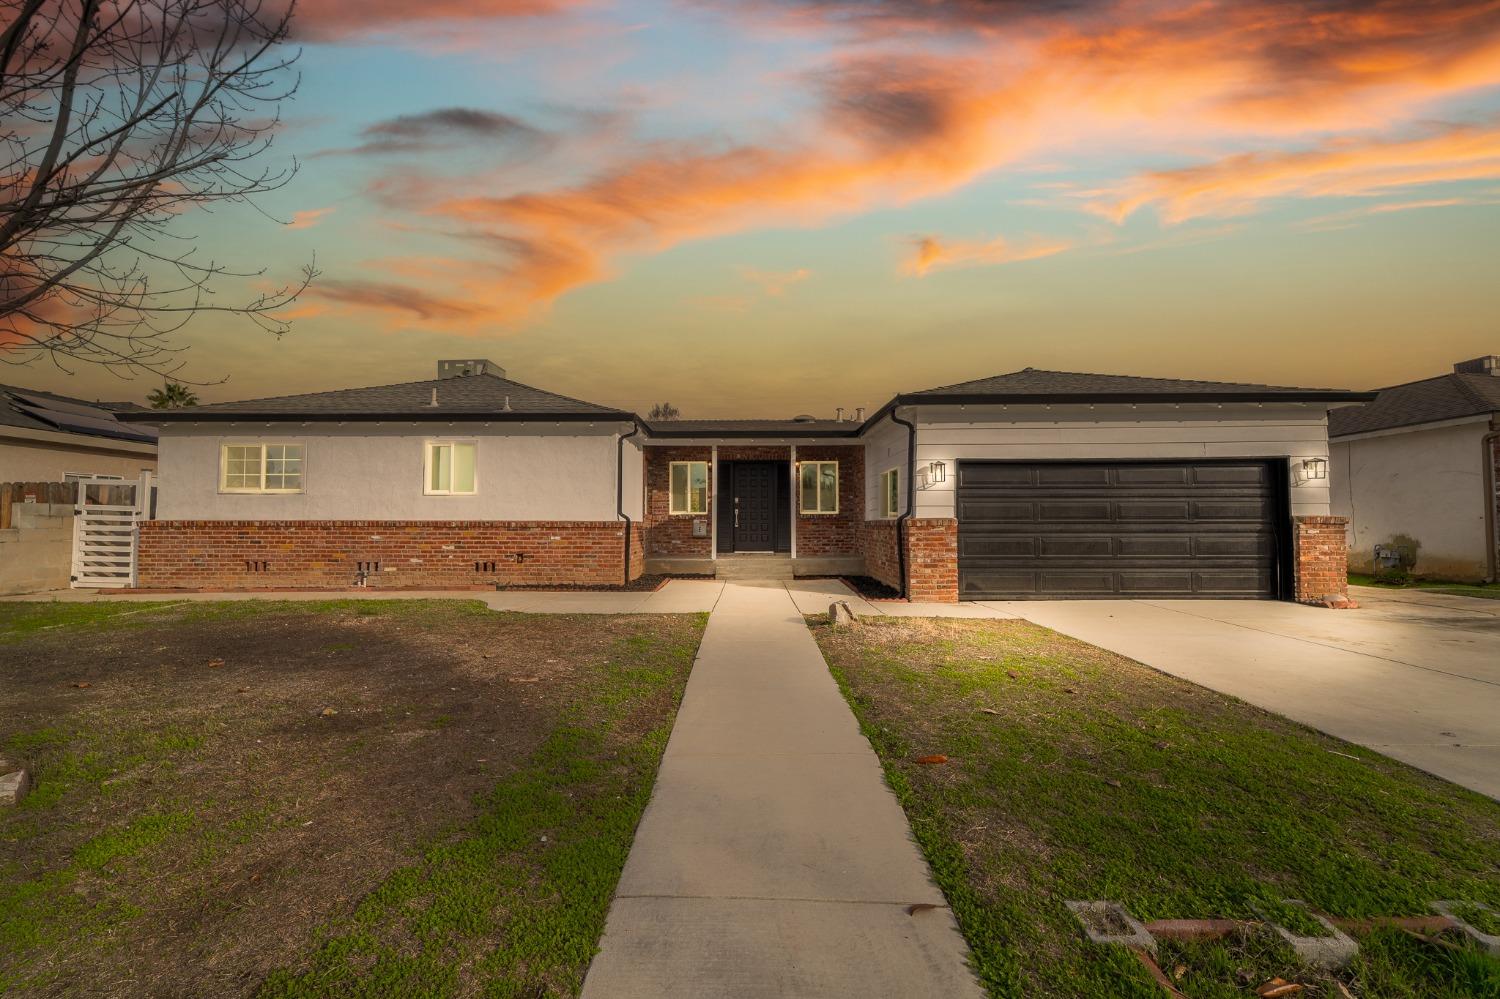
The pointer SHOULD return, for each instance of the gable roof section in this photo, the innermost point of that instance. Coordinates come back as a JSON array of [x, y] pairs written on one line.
[[482, 396], [1036, 385], [1446, 397], [32, 409]]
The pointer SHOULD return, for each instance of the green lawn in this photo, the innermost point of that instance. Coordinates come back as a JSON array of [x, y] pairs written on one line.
[[453, 824], [1489, 591], [1076, 774]]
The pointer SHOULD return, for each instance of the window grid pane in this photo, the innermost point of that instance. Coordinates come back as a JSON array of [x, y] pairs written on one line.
[[463, 468], [439, 463], [699, 476], [679, 490], [828, 487]]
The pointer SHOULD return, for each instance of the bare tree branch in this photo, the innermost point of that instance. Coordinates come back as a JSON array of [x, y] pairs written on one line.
[[119, 119]]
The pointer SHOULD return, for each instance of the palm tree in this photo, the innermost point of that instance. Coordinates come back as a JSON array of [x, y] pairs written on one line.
[[172, 395]]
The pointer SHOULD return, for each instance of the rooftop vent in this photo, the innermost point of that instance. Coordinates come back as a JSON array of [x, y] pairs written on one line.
[[476, 366], [804, 418], [1489, 364]]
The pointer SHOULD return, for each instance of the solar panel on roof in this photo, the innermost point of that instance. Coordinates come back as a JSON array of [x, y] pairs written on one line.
[[58, 405], [102, 424]]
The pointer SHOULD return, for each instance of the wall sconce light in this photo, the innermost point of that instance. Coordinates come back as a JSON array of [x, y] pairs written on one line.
[[1315, 468], [937, 472]]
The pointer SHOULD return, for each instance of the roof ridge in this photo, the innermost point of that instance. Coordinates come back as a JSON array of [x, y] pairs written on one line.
[[434, 382], [1477, 398]]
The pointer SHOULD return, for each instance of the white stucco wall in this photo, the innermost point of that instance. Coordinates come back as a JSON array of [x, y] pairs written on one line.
[[368, 472], [1427, 483], [47, 461], [1118, 433]]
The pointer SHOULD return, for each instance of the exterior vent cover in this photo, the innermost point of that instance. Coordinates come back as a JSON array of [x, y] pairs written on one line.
[[472, 366], [1486, 365]]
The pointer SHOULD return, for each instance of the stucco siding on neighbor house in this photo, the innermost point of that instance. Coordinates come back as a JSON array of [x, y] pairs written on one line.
[[364, 472], [1150, 432], [1425, 483], [44, 461]]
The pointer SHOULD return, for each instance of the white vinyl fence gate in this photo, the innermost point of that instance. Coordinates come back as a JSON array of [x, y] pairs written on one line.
[[107, 514]]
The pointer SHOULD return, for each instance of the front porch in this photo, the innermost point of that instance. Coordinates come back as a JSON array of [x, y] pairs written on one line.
[[754, 510]]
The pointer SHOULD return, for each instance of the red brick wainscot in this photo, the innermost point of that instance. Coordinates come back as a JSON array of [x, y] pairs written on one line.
[[828, 534], [1320, 559], [666, 534], [931, 556], [385, 554]]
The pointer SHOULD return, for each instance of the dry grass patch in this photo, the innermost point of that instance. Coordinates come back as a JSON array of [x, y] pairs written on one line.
[[222, 788]]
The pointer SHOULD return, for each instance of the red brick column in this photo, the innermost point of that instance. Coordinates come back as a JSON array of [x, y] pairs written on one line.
[[877, 542], [932, 559], [1320, 559]]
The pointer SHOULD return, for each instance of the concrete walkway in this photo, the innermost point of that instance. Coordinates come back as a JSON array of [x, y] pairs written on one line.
[[1407, 675], [677, 596], [773, 861]]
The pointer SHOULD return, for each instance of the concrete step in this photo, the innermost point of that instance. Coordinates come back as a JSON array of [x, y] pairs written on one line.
[[753, 567]]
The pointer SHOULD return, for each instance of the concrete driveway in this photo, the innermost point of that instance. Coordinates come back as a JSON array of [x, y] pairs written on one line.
[[1415, 676]]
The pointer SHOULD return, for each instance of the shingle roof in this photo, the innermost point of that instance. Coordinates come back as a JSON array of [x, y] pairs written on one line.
[[33, 409], [1446, 397], [1079, 386], [753, 428], [481, 395]]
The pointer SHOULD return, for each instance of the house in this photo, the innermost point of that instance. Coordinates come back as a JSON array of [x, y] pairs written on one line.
[[51, 438], [1030, 484], [1416, 469]]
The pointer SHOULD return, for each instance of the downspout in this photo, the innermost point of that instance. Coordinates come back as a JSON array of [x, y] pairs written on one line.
[[911, 496], [620, 491], [1487, 445]]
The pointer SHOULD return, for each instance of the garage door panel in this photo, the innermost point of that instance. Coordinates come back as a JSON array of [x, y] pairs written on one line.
[[1076, 546], [1152, 476], [1072, 475], [1089, 510], [1117, 529], [1154, 510], [1155, 546]]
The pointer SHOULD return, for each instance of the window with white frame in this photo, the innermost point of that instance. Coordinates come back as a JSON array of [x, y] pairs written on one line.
[[818, 486], [260, 468], [689, 487], [451, 468], [890, 492]]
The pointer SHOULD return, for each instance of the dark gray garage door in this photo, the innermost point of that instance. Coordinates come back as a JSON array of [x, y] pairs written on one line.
[[1170, 529]]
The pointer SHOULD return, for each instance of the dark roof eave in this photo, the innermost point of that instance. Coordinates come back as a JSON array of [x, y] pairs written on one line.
[[421, 416], [853, 431], [1107, 398]]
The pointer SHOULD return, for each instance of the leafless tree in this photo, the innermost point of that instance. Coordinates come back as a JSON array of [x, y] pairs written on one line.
[[120, 119], [664, 411]]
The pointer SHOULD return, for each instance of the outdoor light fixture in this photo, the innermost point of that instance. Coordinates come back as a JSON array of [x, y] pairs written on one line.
[[937, 472], [1315, 468]]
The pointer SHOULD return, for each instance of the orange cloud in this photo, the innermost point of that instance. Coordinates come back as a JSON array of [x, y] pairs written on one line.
[[309, 218], [331, 20], [1238, 185], [897, 124], [932, 253]]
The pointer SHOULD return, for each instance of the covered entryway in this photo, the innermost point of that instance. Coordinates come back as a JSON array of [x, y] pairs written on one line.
[[1113, 529]]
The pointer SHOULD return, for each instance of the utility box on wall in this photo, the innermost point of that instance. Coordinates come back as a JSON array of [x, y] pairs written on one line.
[[700, 528]]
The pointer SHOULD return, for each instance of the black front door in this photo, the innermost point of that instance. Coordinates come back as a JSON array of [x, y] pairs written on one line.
[[754, 506]]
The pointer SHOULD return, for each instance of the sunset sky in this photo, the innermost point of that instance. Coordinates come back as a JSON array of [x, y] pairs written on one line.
[[764, 207]]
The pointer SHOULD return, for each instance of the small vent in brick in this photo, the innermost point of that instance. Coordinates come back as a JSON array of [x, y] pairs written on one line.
[[368, 566], [257, 565], [484, 566]]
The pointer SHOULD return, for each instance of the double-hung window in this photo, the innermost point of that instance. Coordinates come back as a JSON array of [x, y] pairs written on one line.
[[818, 489], [689, 487], [260, 468], [451, 468], [890, 492]]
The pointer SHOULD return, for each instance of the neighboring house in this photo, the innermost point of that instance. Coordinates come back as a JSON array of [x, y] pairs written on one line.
[[49, 438], [1031, 484], [1419, 462]]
